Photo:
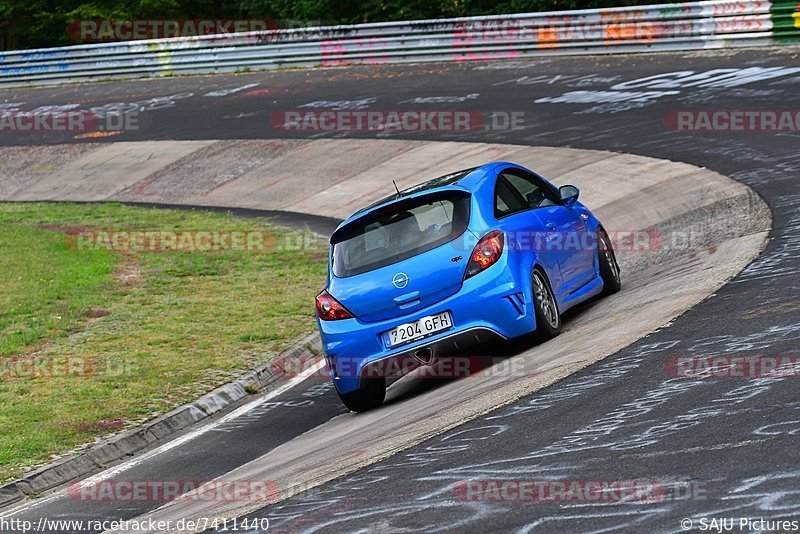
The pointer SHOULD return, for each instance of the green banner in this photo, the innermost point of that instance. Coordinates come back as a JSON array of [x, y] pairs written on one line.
[[786, 21]]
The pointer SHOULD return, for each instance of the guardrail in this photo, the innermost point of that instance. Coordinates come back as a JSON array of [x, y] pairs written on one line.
[[663, 27]]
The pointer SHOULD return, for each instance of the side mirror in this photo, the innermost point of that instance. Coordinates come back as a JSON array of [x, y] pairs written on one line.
[[569, 195]]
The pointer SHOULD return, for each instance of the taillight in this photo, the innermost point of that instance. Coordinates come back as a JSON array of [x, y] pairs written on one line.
[[330, 309], [486, 253]]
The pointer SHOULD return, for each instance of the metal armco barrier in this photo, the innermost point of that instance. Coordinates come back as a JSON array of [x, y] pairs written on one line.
[[683, 26]]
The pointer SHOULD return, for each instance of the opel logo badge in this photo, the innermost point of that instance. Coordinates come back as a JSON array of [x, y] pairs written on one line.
[[400, 280]]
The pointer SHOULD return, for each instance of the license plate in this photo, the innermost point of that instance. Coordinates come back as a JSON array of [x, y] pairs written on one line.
[[406, 333]]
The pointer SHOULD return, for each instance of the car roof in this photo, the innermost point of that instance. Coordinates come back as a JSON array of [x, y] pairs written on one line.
[[439, 182], [465, 180]]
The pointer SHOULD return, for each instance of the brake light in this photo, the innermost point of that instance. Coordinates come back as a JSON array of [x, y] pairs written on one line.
[[486, 253], [330, 309]]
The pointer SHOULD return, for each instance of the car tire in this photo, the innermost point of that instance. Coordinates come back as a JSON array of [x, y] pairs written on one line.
[[609, 268], [369, 396], [545, 308]]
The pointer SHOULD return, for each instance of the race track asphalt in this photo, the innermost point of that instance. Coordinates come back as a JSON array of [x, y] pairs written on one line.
[[719, 447]]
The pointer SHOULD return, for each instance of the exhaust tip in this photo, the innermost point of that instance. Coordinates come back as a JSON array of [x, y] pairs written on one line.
[[424, 356]]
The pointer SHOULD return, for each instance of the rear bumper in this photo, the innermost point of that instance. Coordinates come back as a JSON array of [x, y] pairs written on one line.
[[399, 364], [489, 306]]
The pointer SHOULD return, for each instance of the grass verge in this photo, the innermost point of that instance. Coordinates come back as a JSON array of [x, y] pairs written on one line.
[[94, 340]]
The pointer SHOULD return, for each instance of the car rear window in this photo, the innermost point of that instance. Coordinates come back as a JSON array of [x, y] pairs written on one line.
[[399, 231]]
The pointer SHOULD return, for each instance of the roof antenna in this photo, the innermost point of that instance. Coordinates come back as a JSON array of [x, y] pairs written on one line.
[[396, 189]]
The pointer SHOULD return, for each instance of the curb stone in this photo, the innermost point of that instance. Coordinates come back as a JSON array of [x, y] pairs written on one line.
[[98, 457]]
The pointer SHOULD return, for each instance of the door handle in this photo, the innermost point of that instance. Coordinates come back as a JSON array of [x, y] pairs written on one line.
[[550, 225]]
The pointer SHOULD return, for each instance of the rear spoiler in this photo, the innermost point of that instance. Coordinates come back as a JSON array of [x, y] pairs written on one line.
[[356, 226]]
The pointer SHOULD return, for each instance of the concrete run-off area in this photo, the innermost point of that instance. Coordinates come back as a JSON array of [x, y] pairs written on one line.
[[686, 210]]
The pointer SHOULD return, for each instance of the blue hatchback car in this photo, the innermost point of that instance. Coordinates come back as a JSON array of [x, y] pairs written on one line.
[[488, 253]]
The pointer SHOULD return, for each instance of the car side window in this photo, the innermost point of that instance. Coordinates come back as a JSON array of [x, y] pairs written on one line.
[[535, 192], [507, 199]]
